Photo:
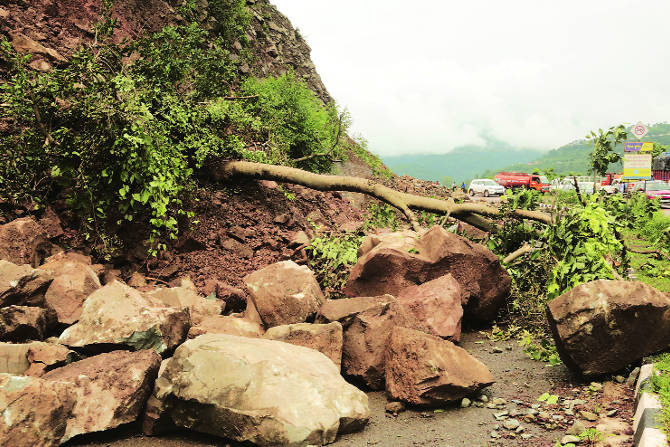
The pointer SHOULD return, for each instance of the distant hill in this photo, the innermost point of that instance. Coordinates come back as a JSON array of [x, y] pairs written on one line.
[[573, 157], [460, 164], [467, 162]]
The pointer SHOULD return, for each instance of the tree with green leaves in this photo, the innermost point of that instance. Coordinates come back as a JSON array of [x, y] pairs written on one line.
[[604, 143]]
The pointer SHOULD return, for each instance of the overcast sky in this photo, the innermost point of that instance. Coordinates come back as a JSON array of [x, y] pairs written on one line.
[[424, 77]]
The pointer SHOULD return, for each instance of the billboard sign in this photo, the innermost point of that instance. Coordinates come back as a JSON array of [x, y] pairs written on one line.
[[636, 166], [638, 146]]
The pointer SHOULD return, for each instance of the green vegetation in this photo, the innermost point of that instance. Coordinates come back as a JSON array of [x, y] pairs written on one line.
[[583, 242], [122, 140], [660, 382], [604, 143], [332, 256]]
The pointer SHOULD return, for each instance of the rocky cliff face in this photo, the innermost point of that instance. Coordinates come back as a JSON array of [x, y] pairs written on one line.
[[52, 30]]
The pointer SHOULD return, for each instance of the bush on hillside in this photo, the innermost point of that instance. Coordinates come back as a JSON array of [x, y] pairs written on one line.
[[122, 141]]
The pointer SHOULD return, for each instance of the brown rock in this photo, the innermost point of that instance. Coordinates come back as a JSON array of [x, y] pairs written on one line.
[[366, 336], [109, 275], [344, 308], [24, 44], [44, 357], [35, 411], [24, 241], [325, 338], [22, 285], [262, 391], [235, 298], [51, 224], [73, 282], [284, 293], [187, 298], [20, 323], [437, 304], [137, 280], [14, 358], [68, 256], [120, 315], [237, 247], [251, 313], [422, 369], [220, 324], [298, 239], [601, 326], [112, 389], [391, 262]]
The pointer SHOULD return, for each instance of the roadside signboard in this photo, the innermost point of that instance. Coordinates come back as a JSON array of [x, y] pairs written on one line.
[[639, 130], [636, 166], [638, 146]]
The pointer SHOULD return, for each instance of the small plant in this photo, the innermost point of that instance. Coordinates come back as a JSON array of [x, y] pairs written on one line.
[[591, 436], [539, 347], [550, 399], [380, 216], [332, 257]]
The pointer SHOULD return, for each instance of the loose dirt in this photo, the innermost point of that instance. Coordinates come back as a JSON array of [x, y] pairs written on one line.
[[519, 380]]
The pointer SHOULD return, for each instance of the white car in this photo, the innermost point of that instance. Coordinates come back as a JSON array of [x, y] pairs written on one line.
[[485, 186]]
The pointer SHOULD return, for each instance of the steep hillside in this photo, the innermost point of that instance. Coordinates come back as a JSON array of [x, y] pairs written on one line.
[[53, 30]]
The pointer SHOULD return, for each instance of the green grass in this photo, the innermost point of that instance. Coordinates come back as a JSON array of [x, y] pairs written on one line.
[[661, 385]]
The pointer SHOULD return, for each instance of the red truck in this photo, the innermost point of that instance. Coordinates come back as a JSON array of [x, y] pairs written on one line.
[[522, 180]]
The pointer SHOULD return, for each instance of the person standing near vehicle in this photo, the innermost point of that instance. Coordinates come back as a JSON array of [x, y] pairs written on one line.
[[463, 186]]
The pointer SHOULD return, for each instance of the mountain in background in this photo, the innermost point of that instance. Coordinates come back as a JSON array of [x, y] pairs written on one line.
[[573, 158], [467, 162], [460, 164]]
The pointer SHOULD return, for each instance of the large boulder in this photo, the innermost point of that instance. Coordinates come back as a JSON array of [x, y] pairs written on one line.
[[437, 303], [111, 388], [188, 298], [325, 338], [73, 282], [222, 324], [120, 315], [21, 323], [35, 411], [24, 241], [422, 369], [601, 326], [366, 335], [22, 284], [284, 293], [390, 262], [263, 391]]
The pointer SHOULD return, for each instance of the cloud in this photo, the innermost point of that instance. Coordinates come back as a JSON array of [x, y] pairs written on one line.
[[432, 75]]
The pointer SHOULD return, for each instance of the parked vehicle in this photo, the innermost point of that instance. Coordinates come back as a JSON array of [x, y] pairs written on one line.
[[655, 189], [611, 184], [522, 180], [568, 184], [485, 186]]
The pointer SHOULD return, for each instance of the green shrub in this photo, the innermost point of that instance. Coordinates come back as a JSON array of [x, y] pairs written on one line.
[[122, 141], [332, 258], [581, 240]]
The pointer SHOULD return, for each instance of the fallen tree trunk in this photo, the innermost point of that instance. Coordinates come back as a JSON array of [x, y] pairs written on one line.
[[470, 213]]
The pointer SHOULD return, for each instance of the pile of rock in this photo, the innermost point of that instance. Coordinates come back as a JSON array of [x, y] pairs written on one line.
[[86, 357]]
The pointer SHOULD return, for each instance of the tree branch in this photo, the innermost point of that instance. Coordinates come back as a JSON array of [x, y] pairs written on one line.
[[467, 212], [579, 195], [525, 248]]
